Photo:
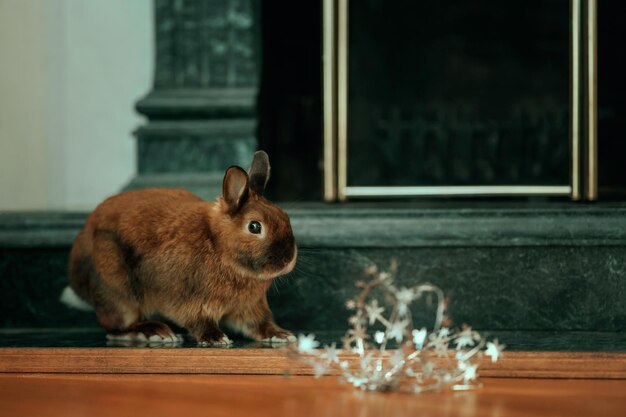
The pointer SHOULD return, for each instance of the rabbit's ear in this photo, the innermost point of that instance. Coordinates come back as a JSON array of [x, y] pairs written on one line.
[[235, 188], [259, 172]]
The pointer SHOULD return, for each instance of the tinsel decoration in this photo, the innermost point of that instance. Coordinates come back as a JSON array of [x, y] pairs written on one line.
[[400, 356]]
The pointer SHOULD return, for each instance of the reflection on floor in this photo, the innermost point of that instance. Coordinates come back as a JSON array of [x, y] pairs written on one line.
[[275, 396], [528, 341]]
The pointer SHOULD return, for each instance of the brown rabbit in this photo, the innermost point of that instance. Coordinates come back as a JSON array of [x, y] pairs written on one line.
[[168, 252]]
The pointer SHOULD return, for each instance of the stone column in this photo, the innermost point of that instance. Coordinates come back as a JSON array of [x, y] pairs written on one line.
[[201, 110]]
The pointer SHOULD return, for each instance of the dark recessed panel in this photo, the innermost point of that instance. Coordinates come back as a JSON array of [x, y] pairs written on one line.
[[458, 93]]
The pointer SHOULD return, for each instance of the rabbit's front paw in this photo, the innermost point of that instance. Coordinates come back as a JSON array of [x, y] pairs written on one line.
[[146, 332], [280, 336], [222, 341]]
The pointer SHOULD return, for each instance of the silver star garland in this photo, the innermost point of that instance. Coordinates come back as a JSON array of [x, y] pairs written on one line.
[[410, 367]]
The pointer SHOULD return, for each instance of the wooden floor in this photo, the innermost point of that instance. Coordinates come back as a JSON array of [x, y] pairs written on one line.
[[238, 395], [255, 361]]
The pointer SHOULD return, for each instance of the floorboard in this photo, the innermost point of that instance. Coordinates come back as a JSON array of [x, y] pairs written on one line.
[[221, 395], [268, 361]]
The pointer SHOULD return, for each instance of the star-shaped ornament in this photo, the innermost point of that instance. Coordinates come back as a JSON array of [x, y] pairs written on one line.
[[374, 311], [494, 350], [307, 344], [396, 330]]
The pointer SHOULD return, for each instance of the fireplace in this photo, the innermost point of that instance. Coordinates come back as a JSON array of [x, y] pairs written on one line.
[[384, 99], [456, 98], [423, 99]]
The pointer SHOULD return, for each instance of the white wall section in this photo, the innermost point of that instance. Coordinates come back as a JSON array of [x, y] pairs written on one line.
[[70, 74]]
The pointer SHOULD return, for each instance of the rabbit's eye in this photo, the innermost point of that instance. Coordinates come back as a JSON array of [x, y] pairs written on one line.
[[254, 227]]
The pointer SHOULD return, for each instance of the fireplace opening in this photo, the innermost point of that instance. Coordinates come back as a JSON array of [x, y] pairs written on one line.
[[611, 99], [441, 94], [290, 97]]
